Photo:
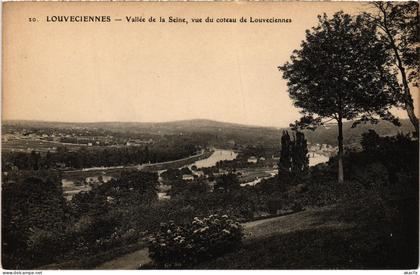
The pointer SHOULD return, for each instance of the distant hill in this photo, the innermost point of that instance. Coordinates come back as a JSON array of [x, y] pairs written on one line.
[[214, 132], [353, 135], [186, 125], [223, 131]]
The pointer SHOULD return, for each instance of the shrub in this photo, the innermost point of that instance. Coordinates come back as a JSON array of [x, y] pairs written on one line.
[[181, 246], [274, 204], [296, 207], [372, 175]]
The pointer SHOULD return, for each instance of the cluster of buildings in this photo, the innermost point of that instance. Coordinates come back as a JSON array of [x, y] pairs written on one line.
[[26, 140], [322, 149]]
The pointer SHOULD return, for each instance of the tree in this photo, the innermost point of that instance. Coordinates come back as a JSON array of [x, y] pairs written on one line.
[[294, 159], [370, 141], [398, 29], [300, 160], [340, 73], [31, 207], [285, 155], [35, 160], [227, 182]]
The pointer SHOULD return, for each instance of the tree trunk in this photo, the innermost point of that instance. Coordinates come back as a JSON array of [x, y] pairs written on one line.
[[408, 100], [340, 151], [412, 115]]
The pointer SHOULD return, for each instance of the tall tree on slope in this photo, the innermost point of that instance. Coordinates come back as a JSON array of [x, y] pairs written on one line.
[[340, 73]]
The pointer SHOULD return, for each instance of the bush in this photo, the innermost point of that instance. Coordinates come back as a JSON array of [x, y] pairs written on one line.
[[372, 175], [181, 246], [296, 207], [274, 204]]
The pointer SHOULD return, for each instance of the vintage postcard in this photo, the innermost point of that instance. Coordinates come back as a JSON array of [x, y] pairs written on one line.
[[210, 135]]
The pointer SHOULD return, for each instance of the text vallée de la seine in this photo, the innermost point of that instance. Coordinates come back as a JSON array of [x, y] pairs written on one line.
[[159, 19]]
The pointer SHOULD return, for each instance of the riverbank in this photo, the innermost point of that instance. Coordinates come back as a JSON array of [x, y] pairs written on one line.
[[175, 164], [73, 174]]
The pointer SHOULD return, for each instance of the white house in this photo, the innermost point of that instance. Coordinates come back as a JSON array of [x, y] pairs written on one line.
[[187, 177], [252, 159]]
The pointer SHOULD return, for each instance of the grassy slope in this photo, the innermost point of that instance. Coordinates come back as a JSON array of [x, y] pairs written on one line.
[[372, 233]]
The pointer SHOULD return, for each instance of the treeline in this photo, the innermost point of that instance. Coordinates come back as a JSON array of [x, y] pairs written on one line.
[[390, 160], [84, 158]]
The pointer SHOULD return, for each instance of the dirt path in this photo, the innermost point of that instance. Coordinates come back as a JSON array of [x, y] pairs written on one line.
[[308, 219], [129, 261]]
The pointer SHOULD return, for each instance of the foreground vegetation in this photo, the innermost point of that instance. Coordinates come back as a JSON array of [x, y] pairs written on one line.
[[371, 232]]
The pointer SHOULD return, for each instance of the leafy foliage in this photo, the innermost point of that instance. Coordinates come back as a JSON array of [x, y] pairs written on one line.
[[300, 160], [285, 155], [395, 156], [33, 216], [227, 182], [340, 70], [177, 246]]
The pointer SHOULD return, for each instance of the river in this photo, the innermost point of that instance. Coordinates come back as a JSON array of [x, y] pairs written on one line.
[[218, 155], [315, 158]]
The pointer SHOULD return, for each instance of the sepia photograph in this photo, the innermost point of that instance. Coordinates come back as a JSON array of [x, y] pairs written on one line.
[[210, 136]]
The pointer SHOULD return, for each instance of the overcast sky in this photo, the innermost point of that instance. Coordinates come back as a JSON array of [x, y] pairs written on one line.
[[120, 71]]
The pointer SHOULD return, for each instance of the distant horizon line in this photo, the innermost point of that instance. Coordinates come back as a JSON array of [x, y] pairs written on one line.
[[144, 122]]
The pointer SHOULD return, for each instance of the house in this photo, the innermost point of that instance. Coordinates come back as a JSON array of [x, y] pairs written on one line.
[[252, 159], [199, 173], [187, 177], [211, 185]]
